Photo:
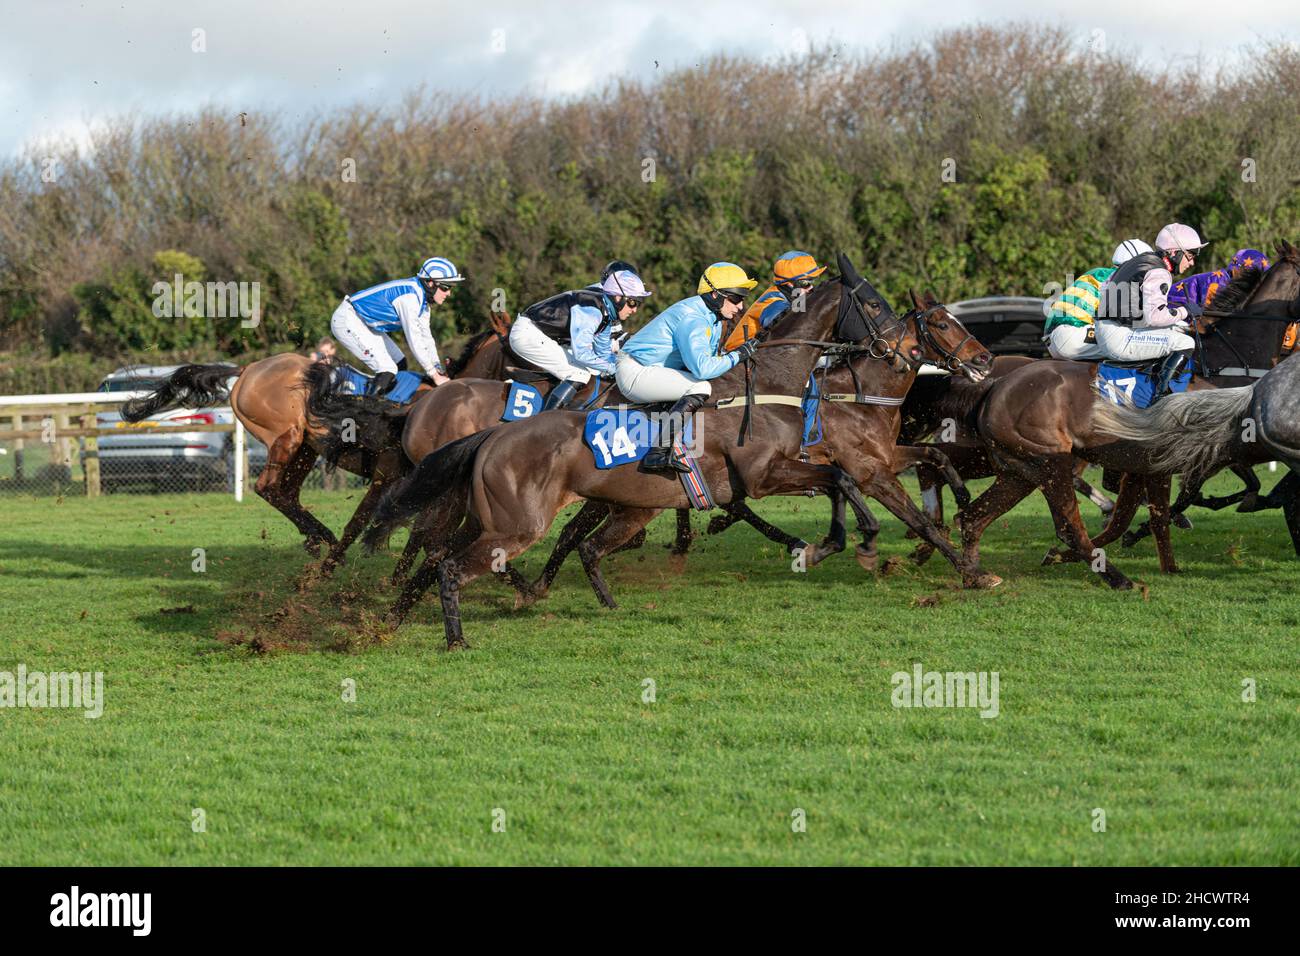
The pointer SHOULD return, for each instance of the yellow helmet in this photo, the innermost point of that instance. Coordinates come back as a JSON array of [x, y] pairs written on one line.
[[725, 277]]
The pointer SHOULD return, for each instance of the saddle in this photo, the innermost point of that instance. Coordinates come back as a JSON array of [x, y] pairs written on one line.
[[529, 375]]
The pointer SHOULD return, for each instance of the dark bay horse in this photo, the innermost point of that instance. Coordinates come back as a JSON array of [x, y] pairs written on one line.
[[507, 483], [1038, 419], [860, 422]]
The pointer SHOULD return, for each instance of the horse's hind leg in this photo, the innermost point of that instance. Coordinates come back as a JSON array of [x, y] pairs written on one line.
[[1158, 508], [382, 478], [472, 561], [685, 535], [578, 527], [288, 462], [739, 511], [1131, 490], [622, 523], [1058, 489]]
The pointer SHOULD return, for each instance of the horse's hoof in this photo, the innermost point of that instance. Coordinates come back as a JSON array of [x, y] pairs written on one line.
[[921, 554], [1053, 556], [796, 547], [1123, 584], [717, 525], [982, 581], [457, 645], [1181, 521], [869, 560], [312, 547], [1172, 569], [525, 599]]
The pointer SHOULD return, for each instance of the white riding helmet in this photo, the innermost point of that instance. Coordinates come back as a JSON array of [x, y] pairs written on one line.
[[1129, 248], [1176, 237], [439, 269], [626, 283]]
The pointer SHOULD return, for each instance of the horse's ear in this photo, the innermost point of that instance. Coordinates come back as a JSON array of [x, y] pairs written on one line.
[[500, 323], [930, 300], [916, 302]]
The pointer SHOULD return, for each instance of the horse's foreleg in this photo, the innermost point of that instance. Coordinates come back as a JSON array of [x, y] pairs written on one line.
[[360, 518], [578, 527], [623, 522], [1058, 488], [1003, 495], [1132, 489], [1158, 507]]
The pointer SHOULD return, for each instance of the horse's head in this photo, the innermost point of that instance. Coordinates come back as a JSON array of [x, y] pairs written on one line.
[[935, 335]]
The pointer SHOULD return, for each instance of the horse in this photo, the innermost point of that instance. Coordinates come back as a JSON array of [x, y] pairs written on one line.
[[859, 412], [507, 483], [270, 398], [1234, 340], [1038, 419]]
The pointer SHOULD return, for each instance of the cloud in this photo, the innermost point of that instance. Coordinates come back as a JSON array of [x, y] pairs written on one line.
[[64, 65]]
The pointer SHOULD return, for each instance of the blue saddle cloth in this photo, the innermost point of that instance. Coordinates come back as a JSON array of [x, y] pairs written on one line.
[[354, 382], [619, 435], [1134, 386]]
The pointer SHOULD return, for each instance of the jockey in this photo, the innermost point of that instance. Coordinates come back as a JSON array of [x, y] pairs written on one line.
[[1135, 320], [792, 275], [364, 319], [1068, 331], [672, 358], [1202, 287], [571, 335]]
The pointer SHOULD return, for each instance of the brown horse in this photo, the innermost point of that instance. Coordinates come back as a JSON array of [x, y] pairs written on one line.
[[860, 422], [270, 398], [1038, 419], [507, 483]]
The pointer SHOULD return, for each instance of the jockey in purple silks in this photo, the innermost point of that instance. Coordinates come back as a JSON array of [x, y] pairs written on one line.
[[1202, 287]]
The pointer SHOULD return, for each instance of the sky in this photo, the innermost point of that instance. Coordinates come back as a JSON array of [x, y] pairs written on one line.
[[66, 65]]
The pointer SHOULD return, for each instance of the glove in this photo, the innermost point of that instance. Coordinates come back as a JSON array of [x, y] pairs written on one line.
[[746, 350], [1194, 309]]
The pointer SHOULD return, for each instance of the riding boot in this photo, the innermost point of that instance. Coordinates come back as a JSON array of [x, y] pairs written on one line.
[[661, 457], [560, 396], [1173, 365], [382, 384]]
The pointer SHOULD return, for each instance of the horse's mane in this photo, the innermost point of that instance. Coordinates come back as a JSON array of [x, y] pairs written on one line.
[[454, 366], [1234, 295]]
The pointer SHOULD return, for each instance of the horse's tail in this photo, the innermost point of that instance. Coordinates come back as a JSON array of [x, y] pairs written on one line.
[[190, 386], [442, 471], [351, 422], [1189, 432]]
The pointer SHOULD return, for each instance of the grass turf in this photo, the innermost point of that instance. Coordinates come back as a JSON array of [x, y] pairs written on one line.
[[772, 696]]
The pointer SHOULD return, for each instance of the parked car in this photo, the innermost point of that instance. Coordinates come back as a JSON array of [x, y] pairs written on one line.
[[195, 460], [1005, 325]]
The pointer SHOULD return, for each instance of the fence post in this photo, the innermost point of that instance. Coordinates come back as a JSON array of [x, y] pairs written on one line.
[[18, 451], [90, 465], [63, 443], [241, 460]]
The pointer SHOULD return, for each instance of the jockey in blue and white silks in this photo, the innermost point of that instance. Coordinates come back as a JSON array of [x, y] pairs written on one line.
[[571, 335], [364, 320], [674, 356]]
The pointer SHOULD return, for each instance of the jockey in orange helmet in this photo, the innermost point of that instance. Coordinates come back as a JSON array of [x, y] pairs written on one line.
[[792, 275]]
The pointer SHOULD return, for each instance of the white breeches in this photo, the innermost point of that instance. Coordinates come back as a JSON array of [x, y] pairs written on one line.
[[533, 345], [1127, 344], [1069, 342], [655, 383], [375, 350]]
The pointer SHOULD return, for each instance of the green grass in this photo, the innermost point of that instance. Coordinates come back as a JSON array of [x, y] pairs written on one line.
[[773, 693]]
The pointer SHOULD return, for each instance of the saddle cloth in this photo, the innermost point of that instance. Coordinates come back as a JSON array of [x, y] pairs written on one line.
[[355, 382], [1130, 385]]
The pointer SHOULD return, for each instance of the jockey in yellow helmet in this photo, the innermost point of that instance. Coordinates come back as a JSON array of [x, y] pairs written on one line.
[[792, 276]]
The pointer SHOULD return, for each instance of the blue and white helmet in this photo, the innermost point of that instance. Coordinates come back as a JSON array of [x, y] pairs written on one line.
[[439, 269]]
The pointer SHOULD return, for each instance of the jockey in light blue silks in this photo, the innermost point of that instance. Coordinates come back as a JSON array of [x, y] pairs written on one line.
[[363, 321], [572, 335], [674, 356]]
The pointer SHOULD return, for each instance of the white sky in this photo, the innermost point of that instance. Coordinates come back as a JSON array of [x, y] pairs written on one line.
[[66, 64]]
